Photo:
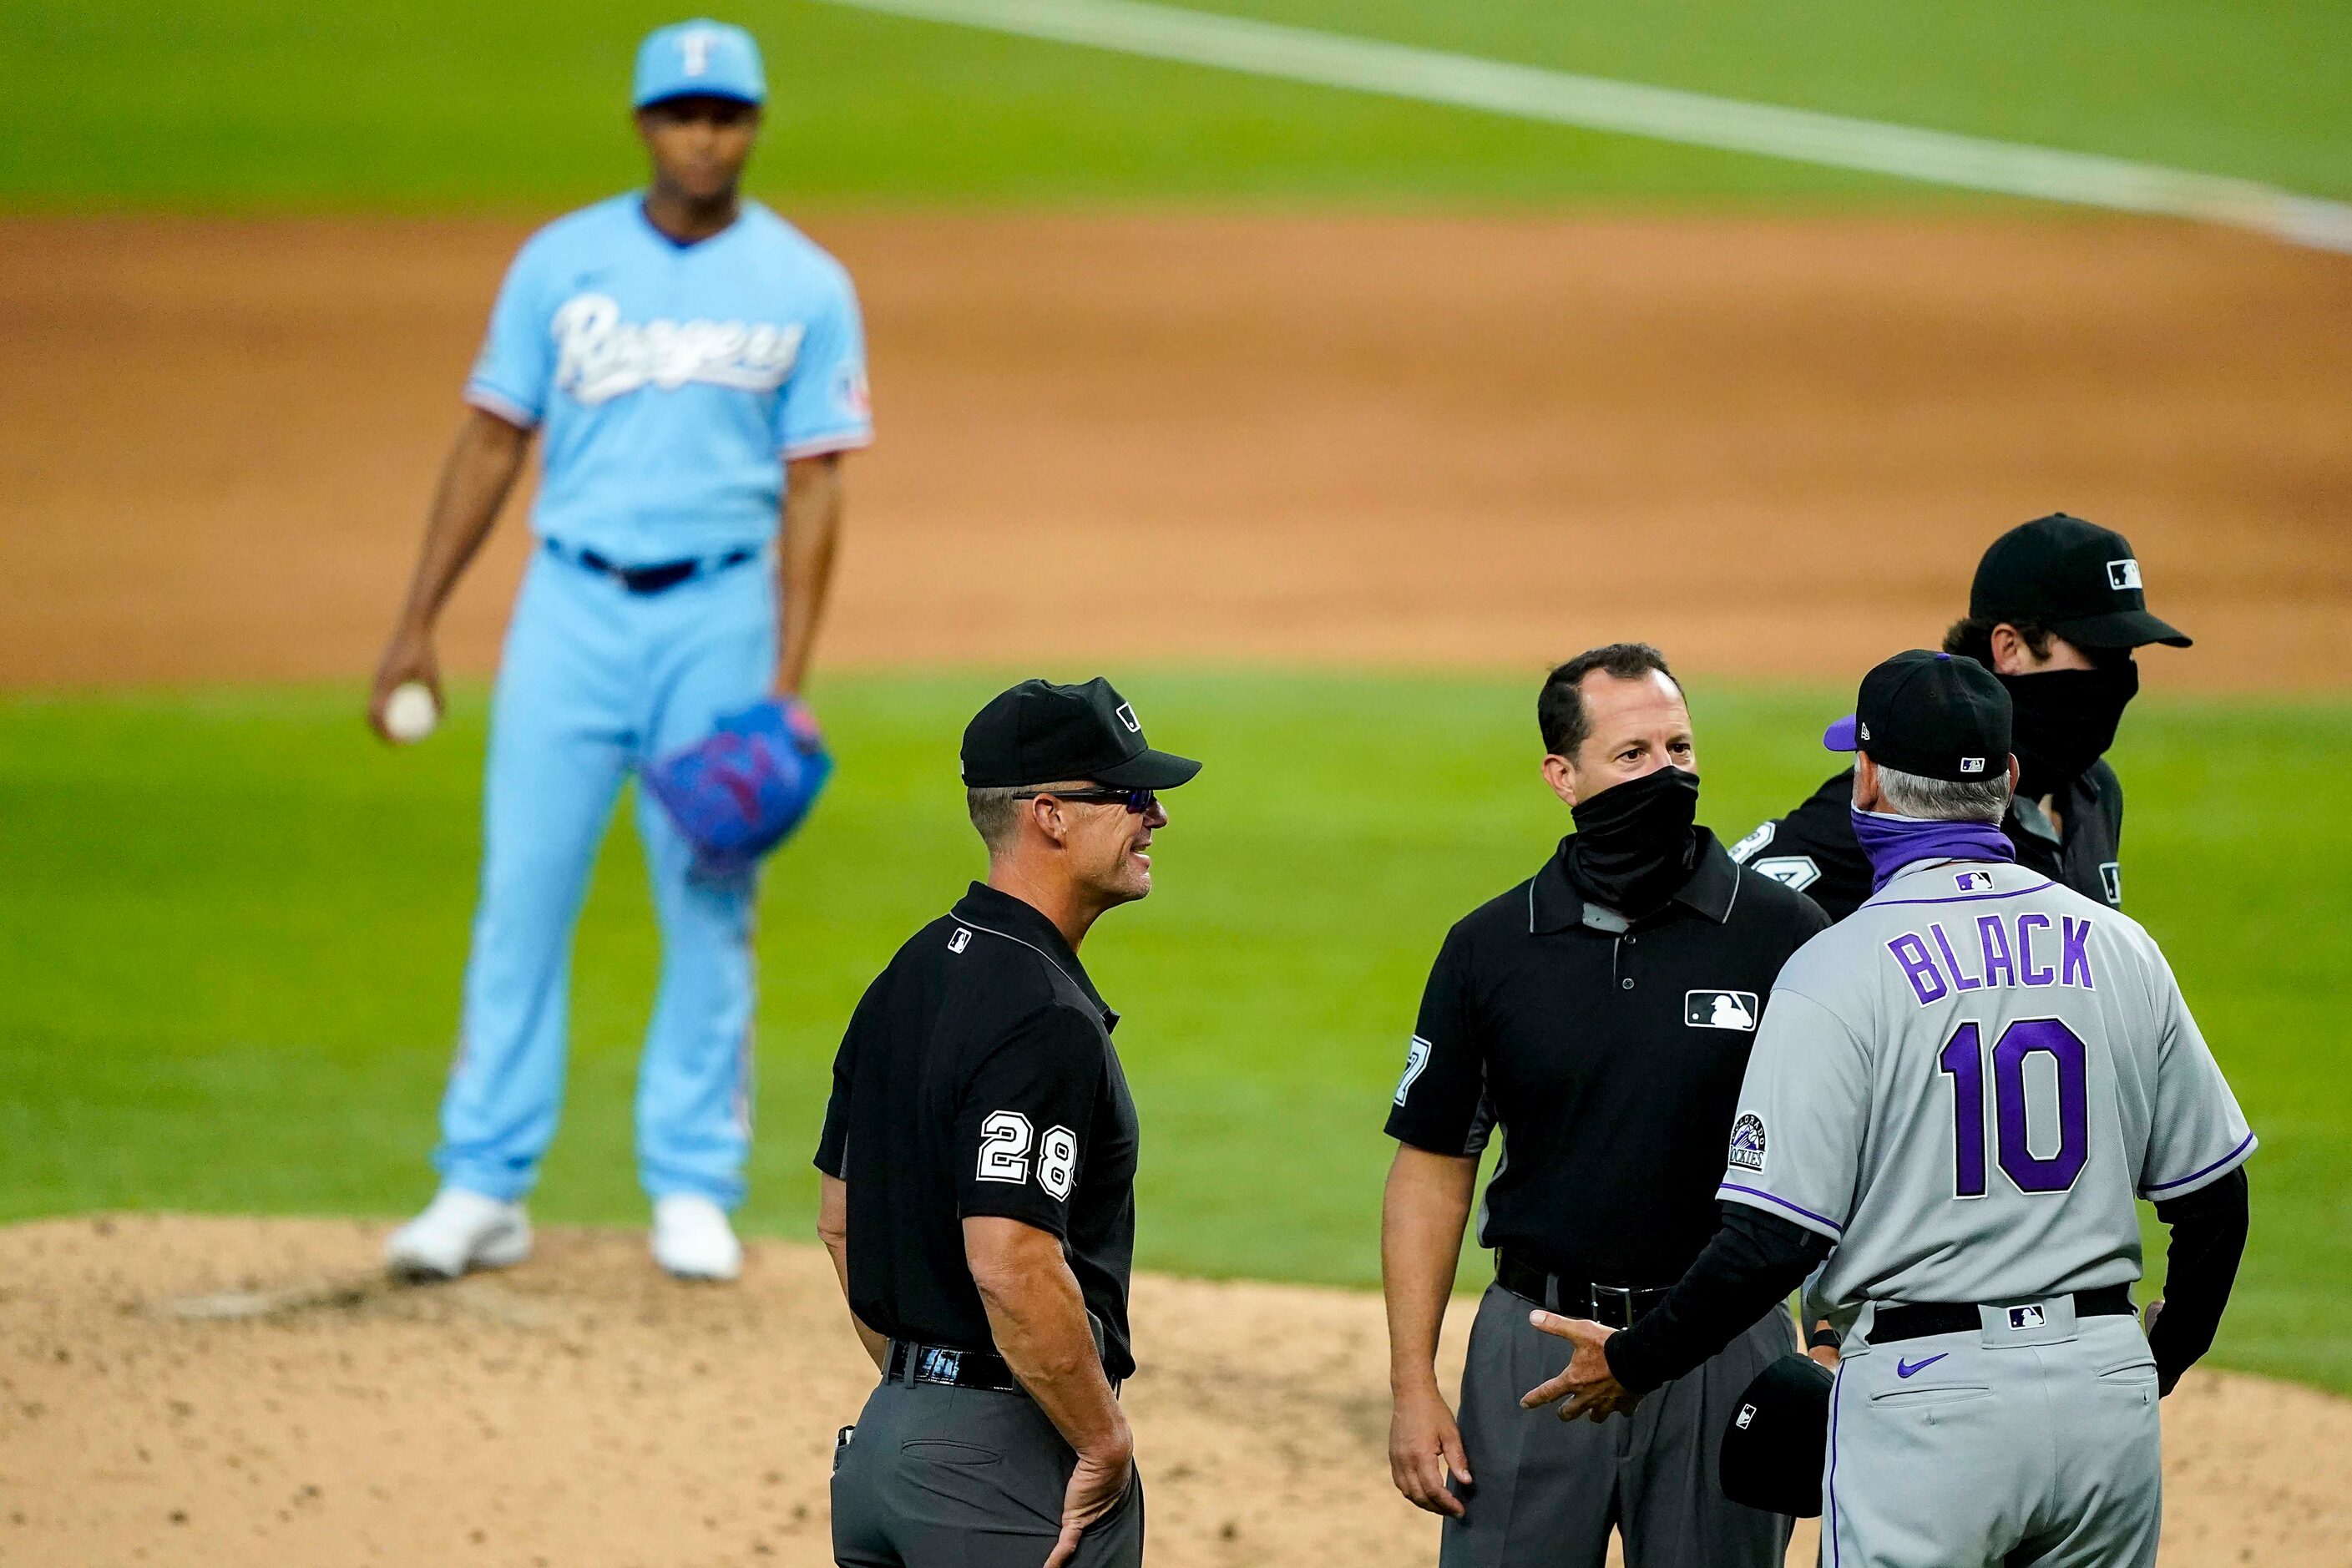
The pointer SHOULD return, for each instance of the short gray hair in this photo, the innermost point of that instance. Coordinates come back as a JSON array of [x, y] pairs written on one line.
[[1945, 800], [994, 813]]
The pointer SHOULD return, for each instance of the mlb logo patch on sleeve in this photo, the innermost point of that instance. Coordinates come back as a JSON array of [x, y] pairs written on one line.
[[1720, 1010], [959, 940]]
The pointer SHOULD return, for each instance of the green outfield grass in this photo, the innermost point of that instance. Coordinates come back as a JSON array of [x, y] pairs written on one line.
[[232, 929], [438, 104]]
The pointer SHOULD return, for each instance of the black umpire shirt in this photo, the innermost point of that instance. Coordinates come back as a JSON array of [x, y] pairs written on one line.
[[1812, 848], [1609, 1056], [978, 1078]]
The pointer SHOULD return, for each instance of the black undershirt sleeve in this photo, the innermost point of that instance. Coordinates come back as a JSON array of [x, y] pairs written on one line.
[[2208, 1236], [1755, 1260]]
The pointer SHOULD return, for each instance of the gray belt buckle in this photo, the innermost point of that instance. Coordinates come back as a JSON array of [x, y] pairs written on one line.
[[1623, 1295]]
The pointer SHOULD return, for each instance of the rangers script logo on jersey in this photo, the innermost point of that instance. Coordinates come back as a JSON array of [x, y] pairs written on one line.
[[600, 357]]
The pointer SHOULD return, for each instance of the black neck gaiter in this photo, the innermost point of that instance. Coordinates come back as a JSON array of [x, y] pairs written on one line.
[[2065, 721], [1634, 844]]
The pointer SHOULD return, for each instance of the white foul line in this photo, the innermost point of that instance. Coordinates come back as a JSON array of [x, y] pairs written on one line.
[[1596, 103]]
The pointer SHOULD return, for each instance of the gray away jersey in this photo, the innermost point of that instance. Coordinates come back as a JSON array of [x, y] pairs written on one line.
[[1964, 1086]]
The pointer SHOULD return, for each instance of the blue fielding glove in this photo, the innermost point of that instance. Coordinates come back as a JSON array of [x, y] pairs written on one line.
[[741, 790]]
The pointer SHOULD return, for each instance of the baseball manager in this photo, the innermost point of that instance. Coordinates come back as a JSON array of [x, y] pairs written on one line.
[[1956, 1097], [695, 368], [978, 1171], [1600, 1014], [2056, 609]]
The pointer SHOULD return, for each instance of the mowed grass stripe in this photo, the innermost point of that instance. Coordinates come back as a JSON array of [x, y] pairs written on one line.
[[1687, 119], [233, 927], [429, 105]]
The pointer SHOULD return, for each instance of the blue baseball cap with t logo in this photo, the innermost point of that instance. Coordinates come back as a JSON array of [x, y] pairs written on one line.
[[698, 59]]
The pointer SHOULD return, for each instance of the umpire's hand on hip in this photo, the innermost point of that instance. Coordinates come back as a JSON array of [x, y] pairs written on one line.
[[1424, 1449], [1101, 1480], [1589, 1388]]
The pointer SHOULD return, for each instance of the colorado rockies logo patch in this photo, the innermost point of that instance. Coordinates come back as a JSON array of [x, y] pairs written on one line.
[[1748, 1141]]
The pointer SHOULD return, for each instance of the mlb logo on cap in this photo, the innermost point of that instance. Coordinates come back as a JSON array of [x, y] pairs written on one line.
[[1971, 764], [2123, 575]]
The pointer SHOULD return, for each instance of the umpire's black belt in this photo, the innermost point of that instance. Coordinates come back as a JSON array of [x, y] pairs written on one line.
[[951, 1368], [1917, 1320], [659, 578], [1615, 1306]]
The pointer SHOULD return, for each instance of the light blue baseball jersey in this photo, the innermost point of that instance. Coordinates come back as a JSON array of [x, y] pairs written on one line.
[[672, 382]]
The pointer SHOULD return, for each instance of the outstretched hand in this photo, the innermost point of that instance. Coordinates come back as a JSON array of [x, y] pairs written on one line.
[[1588, 1387]]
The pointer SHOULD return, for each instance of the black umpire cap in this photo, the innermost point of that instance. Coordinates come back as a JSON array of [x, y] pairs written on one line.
[[1039, 732], [1774, 1444], [2075, 577], [1937, 715]]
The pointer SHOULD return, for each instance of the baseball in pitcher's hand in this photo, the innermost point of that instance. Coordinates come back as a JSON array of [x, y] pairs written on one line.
[[1424, 1450], [1095, 1487], [408, 657]]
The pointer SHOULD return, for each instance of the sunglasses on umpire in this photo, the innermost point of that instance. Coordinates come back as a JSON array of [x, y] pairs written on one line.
[[1137, 801]]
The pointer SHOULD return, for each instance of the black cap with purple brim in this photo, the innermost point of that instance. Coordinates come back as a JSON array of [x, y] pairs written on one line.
[[1937, 715], [2075, 577]]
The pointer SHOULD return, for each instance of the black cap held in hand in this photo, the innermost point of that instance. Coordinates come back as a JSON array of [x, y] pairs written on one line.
[[2078, 579], [1040, 733], [1937, 715]]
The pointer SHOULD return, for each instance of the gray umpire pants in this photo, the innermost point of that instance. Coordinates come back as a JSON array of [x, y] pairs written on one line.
[[934, 1477], [1549, 1491], [2013, 1445]]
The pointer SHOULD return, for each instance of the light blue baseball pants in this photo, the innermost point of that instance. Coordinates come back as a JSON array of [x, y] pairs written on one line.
[[595, 681]]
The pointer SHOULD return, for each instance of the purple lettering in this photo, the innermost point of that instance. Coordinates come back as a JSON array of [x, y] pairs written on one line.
[[2074, 953], [2032, 976], [1918, 967], [1993, 937], [1960, 977]]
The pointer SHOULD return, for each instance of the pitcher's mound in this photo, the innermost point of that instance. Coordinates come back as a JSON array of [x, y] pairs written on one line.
[[247, 1392]]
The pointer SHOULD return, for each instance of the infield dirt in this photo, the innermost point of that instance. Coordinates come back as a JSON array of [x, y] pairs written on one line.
[[249, 1393], [1775, 445]]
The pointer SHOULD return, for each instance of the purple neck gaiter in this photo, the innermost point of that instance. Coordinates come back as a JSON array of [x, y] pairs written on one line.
[[1893, 842]]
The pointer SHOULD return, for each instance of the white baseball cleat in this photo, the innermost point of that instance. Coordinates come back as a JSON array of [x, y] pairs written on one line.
[[693, 1240], [458, 1230]]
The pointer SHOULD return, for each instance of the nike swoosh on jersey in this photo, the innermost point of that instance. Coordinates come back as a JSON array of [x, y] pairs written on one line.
[[1906, 1368]]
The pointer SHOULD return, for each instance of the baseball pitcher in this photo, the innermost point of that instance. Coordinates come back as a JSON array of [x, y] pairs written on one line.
[[1954, 1099], [695, 367]]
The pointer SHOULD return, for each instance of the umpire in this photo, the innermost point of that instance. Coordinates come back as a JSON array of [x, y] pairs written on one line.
[[2056, 611], [1600, 1014], [978, 1167]]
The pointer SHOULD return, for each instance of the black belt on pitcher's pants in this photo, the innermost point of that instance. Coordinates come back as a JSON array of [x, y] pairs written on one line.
[[1917, 1320], [658, 578], [1613, 1306]]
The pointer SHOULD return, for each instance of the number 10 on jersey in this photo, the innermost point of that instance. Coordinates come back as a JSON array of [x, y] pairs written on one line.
[[1963, 1059]]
